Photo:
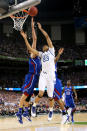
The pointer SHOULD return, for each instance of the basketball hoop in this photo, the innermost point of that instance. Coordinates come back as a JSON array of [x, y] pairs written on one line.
[[19, 19]]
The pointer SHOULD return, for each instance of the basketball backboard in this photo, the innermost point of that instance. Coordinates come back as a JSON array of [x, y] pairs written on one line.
[[16, 6], [15, 2]]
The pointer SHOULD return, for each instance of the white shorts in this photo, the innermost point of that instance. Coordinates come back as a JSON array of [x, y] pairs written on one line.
[[48, 81]]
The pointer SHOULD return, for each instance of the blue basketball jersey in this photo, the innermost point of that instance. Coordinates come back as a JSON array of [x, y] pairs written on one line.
[[68, 92], [35, 65], [57, 87]]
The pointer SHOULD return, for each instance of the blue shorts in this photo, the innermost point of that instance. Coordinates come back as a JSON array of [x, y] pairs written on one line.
[[70, 103], [58, 90], [29, 84]]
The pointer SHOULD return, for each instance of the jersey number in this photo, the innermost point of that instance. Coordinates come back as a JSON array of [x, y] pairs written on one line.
[[45, 58], [68, 93]]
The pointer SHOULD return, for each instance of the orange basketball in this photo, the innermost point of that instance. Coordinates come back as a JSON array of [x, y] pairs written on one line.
[[33, 11]]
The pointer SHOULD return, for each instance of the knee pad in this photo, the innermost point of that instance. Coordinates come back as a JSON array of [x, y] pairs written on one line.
[[28, 98], [40, 96], [66, 107], [74, 109], [50, 98]]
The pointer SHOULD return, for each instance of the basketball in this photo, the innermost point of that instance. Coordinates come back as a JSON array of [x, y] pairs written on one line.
[[33, 11]]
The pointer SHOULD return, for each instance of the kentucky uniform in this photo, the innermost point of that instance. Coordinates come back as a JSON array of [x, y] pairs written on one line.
[[31, 79], [57, 87], [69, 101], [47, 76]]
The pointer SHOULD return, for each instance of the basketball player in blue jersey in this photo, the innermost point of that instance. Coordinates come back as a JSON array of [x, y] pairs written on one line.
[[31, 80], [69, 101], [58, 90]]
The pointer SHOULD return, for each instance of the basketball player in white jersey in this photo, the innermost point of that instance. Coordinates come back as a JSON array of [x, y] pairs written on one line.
[[47, 76]]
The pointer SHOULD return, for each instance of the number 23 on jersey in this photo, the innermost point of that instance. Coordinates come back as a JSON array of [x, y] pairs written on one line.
[[45, 58]]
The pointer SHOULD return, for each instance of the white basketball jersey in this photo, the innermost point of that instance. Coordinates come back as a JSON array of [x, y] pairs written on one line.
[[47, 59]]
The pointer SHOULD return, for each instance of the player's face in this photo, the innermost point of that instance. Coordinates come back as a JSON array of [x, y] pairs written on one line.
[[68, 82], [45, 48]]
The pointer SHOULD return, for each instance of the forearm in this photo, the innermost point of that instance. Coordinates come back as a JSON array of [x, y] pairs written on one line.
[[57, 58], [75, 92], [31, 50], [44, 32], [34, 37], [47, 38], [27, 44], [34, 34]]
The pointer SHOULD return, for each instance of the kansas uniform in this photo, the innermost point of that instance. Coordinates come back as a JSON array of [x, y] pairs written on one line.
[[32, 77], [47, 76], [69, 101], [57, 87]]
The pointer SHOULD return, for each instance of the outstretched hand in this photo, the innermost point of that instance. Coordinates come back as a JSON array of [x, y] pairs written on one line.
[[24, 35], [60, 51], [39, 25]]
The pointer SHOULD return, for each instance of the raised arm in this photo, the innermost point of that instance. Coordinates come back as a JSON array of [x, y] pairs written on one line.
[[74, 92], [31, 50], [46, 35], [60, 51], [34, 37]]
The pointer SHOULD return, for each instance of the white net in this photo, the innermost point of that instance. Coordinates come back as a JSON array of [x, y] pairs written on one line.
[[19, 20]]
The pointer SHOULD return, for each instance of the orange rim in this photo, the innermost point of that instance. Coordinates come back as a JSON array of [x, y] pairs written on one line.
[[26, 12], [12, 16]]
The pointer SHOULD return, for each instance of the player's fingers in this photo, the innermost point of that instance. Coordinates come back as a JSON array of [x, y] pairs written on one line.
[[60, 49]]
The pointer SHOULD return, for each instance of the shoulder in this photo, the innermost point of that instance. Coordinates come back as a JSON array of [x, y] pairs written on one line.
[[52, 51], [40, 53]]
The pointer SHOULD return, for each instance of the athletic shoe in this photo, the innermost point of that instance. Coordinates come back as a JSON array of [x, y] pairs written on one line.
[[19, 117], [26, 115], [50, 116], [72, 121], [64, 119], [33, 111], [68, 121]]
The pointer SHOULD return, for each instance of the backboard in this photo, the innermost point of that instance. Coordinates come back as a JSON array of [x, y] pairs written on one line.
[[16, 6], [15, 2]]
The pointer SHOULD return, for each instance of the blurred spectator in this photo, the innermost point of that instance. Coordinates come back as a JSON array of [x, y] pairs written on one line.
[[9, 102]]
